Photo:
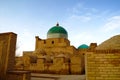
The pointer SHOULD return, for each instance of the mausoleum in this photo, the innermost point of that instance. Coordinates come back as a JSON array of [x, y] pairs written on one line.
[[54, 54]]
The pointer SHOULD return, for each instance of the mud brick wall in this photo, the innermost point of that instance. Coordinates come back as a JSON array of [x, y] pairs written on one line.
[[18, 75], [103, 65], [7, 53]]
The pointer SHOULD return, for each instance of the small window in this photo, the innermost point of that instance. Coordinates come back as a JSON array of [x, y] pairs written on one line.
[[44, 42], [52, 42], [33, 59]]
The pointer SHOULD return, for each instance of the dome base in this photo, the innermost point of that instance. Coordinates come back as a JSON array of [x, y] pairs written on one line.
[[57, 35]]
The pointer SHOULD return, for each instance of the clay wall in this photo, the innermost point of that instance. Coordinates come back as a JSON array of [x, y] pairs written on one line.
[[7, 53], [103, 65], [76, 64], [18, 75], [59, 42]]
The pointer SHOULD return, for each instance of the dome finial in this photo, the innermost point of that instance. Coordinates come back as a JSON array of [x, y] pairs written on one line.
[[57, 24]]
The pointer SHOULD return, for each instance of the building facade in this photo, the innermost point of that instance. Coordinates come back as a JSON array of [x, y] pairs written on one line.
[[103, 62], [54, 54]]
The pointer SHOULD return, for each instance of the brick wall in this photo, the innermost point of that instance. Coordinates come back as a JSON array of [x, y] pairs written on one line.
[[7, 52], [18, 75], [103, 65]]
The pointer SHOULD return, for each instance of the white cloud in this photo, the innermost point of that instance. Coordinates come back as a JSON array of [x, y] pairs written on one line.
[[112, 24], [25, 41], [81, 9], [80, 18], [82, 38], [80, 15], [25, 38], [77, 8]]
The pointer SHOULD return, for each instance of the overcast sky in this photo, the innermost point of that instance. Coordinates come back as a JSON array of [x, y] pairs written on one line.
[[86, 21]]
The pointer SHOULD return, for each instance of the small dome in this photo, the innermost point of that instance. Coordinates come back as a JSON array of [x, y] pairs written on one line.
[[112, 43], [83, 46], [57, 32]]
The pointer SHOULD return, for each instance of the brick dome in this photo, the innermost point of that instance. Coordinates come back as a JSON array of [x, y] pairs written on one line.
[[112, 43]]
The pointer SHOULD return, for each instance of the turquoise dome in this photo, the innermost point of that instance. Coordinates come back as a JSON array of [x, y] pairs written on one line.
[[57, 32], [83, 46]]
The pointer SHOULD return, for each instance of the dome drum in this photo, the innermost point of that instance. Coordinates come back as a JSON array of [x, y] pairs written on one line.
[[57, 35]]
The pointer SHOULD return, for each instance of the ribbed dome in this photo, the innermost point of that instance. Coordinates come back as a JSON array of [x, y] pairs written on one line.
[[83, 46], [112, 43], [57, 32]]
